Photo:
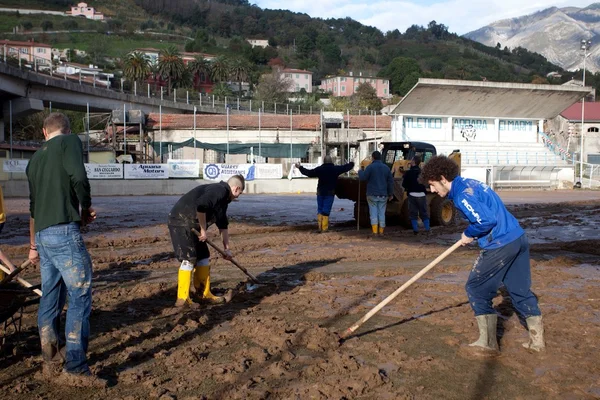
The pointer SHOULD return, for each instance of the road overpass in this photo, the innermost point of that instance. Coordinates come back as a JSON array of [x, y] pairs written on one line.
[[25, 92]]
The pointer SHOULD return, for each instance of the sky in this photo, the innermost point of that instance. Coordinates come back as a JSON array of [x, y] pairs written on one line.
[[460, 16]]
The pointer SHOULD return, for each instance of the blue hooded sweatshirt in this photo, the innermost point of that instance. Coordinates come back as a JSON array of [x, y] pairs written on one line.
[[490, 222]]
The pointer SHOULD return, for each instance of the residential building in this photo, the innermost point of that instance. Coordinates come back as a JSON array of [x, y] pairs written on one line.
[[258, 42], [83, 10], [301, 79], [346, 85], [565, 130], [31, 52]]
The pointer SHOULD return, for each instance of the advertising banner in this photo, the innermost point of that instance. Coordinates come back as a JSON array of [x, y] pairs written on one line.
[[269, 171], [222, 172], [15, 165], [295, 172], [146, 171], [104, 171], [184, 168]]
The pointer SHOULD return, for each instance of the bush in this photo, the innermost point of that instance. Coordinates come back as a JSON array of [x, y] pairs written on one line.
[[46, 25], [70, 24], [27, 25]]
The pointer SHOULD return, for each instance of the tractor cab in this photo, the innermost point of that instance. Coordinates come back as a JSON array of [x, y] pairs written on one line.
[[398, 155]]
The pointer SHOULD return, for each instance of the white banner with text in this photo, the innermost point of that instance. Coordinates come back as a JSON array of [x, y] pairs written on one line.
[[184, 168], [146, 171], [15, 165], [104, 171]]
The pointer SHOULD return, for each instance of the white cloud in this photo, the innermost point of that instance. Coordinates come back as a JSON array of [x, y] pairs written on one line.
[[461, 16]]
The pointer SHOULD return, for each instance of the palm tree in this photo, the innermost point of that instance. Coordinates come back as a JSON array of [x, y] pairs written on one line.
[[136, 67], [198, 66], [221, 89], [220, 69], [239, 70], [170, 65]]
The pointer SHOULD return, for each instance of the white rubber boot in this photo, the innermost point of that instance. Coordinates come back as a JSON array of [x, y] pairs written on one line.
[[487, 333], [536, 334]]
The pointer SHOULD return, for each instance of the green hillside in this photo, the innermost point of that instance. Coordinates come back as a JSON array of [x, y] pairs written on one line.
[[323, 46]]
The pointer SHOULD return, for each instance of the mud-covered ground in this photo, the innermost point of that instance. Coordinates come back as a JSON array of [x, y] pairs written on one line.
[[280, 340]]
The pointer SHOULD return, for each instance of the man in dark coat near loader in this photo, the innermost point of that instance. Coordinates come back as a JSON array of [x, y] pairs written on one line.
[[327, 174]]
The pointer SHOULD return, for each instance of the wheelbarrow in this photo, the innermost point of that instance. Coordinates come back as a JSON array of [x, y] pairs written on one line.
[[14, 297]]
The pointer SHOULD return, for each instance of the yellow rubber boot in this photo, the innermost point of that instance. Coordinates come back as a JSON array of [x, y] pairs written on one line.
[[375, 229], [202, 285], [325, 223], [381, 228], [183, 289], [320, 222]]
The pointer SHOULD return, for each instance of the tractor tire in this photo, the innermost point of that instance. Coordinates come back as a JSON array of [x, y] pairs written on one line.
[[442, 211]]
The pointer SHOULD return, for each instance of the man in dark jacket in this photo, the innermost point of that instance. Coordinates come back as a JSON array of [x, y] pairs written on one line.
[[504, 257], [327, 174], [417, 198], [380, 189], [199, 208]]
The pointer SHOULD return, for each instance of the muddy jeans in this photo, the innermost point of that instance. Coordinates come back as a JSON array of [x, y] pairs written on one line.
[[377, 206], [508, 266], [66, 270]]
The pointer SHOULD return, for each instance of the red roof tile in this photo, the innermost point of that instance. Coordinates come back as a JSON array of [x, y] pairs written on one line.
[[384, 122], [300, 122], [22, 44], [302, 71], [592, 112], [186, 121]]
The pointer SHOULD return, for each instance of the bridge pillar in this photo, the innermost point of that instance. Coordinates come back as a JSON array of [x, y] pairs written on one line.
[[20, 107]]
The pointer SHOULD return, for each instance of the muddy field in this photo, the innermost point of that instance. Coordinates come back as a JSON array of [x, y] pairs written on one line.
[[280, 340]]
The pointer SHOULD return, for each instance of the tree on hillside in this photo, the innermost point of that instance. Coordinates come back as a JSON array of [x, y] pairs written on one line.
[[47, 25], [367, 97], [239, 71], [273, 87], [408, 83], [136, 67], [398, 70], [220, 69], [170, 65]]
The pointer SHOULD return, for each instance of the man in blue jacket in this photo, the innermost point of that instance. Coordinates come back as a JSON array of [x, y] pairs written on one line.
[[380, 189], [504, 257], [327, 174]]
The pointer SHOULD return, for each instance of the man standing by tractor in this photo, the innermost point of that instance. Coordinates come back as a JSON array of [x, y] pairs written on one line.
[[199, 208], [328, 174], [504, 257], [380, 190], [417, 198], [58, 187]]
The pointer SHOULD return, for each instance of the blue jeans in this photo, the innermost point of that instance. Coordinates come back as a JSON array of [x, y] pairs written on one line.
[[507, 265], [377, 206], [324, 204], [66, 269]]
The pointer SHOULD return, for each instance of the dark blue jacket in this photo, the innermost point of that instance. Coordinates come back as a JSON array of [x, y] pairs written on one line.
[[380, 181], [410, 181], [327, 174], [490, 222]]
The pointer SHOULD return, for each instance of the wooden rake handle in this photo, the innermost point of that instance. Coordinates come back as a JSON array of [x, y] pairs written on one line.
[[244, 270], [20, 280], [391, 297]]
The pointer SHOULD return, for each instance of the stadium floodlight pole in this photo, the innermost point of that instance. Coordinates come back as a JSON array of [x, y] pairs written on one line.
[[585, 45]]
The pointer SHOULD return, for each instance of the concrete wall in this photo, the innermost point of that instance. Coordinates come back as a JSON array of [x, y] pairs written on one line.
[[128, 187]]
